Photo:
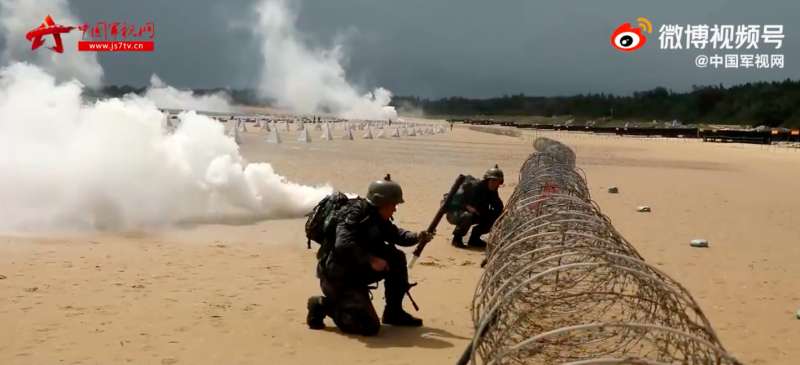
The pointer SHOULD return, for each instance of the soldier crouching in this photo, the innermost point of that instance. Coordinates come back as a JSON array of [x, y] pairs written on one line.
[[480, 206], [364, 253]]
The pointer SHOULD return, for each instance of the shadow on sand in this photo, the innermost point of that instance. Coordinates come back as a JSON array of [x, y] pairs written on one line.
[[474, 249], [422, 337]]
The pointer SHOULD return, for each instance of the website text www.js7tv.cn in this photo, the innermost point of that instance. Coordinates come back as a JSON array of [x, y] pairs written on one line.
[[123, 30], [115, 46]]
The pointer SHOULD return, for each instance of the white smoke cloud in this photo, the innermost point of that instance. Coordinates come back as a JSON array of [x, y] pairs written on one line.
[[18, 17], [111, 165], [305, 79], [168, 97]]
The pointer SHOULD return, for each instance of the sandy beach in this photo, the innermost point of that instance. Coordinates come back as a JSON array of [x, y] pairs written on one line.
[[235, 293]]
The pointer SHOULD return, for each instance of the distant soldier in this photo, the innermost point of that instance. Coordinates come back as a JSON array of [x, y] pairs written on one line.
[[477, 203], [363, 252]]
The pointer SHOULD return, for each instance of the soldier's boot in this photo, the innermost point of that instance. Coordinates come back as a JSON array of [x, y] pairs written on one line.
[[458, 235], [316, 313], [476, 241], [458, 242], [395, 315], [478, 231]]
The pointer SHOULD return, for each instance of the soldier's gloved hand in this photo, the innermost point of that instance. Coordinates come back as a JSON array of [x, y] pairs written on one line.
[[425, 236]]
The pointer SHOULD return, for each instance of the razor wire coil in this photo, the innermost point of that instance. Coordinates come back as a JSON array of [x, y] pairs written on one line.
[[562, 286]]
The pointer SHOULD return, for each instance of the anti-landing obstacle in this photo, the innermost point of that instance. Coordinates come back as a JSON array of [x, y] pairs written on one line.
[[562, 286], [236, 137], [304, 136], [326, 133], [347, 134], [269, 125], [274, 136]]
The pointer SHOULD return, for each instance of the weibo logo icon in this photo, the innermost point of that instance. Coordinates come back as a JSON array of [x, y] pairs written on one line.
[[628, 39]]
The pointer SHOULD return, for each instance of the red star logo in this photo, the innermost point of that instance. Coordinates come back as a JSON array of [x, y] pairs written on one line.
[[49, 27]]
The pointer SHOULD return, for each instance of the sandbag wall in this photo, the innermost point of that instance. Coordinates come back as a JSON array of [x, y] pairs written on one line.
[[562, 286]]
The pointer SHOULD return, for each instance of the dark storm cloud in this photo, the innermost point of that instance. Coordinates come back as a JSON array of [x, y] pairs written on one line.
[[439, 48]]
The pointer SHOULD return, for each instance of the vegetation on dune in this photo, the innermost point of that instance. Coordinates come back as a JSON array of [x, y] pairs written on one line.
[[765, 103]]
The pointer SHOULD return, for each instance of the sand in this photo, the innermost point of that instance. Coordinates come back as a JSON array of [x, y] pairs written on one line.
[[235, 294]]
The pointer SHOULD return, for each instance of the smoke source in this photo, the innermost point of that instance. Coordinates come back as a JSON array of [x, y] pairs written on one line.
[[112, 166], [18, 17], [168, 97], [309, 80]]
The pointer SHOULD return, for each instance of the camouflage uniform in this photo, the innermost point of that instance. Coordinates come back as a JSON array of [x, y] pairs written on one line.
[[345, 273], [486, 202]]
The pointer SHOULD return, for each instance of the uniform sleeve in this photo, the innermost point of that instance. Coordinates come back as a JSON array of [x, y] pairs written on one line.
[[346, 246], [398, 236]]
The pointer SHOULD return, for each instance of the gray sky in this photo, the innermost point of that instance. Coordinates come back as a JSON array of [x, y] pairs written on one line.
[[436, 48]]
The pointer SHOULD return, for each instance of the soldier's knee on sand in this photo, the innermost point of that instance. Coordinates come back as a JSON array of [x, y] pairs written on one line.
[[366, 328], [356, 323], [372, 330]]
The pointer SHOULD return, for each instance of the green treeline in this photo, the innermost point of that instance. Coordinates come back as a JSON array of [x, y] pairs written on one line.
[[765, 103]]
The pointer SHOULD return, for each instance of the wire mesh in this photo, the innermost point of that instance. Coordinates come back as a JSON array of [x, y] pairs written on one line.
[[562, 286]]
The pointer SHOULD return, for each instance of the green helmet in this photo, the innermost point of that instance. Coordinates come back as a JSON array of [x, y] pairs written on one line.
[[494, 174], [385, 191]]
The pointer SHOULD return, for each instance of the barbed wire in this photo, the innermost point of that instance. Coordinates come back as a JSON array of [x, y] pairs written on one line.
[[562, 286]]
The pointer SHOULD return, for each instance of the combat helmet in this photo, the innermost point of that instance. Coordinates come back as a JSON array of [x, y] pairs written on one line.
[[385, 191], [494, 174]]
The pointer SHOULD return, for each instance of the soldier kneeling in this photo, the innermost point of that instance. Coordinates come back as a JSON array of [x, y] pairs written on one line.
[[364, 253]]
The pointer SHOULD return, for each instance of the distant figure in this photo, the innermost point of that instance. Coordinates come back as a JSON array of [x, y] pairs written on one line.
[[451, 125]]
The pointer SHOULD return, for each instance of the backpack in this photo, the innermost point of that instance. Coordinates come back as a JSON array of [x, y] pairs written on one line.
[[321, 222], [458, 199]]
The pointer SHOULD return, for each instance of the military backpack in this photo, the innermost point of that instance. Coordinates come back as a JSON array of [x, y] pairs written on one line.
[[322, 221], [458, 200]]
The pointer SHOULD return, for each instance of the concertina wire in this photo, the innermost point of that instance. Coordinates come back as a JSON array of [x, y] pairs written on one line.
[[562, 286]]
